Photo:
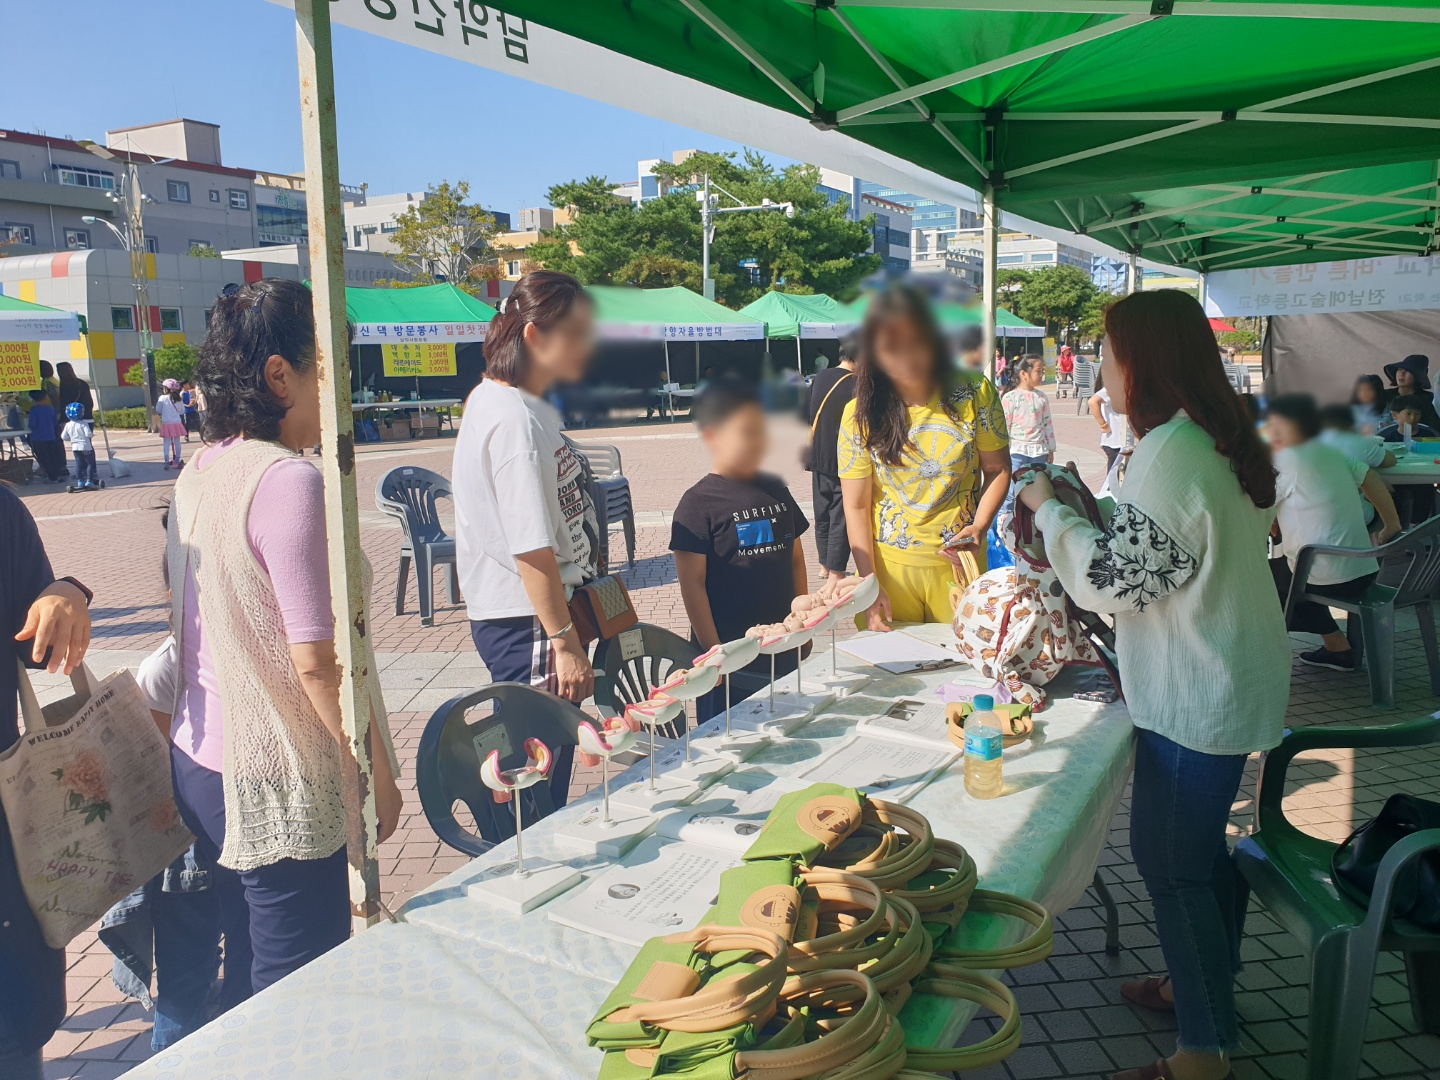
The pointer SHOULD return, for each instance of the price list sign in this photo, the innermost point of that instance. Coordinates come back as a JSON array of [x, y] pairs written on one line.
[[413, 359], [19, 366]]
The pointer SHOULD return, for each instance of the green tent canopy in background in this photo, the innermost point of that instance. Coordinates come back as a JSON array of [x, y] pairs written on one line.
[[375, 313], [1207, 133], [626, 313], [21, 320], [798, 315]]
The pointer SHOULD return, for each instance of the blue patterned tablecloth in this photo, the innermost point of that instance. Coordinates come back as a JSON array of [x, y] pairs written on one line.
[[461, 988]]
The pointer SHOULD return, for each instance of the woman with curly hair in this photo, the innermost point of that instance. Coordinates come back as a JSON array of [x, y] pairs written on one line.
[[1205, 665], [924, 461], [258, 752]]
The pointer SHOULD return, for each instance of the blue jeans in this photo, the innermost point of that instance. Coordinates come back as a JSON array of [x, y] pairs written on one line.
[[1178, 811]]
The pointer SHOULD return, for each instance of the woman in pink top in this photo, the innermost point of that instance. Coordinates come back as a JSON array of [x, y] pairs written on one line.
[[257, 746]]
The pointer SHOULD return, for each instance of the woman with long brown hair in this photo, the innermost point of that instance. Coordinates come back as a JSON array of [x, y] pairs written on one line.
[[1204, 663], [924, 460]]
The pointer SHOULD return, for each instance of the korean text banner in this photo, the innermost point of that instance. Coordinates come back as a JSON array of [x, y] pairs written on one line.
[[415, 359], [1389, 283], [391, 333], [19, 366]]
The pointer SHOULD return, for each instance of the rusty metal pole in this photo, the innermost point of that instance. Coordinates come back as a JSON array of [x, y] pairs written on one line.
[[337, 428]]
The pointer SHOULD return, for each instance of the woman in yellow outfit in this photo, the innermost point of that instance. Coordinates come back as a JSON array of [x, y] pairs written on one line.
[[924, 461]]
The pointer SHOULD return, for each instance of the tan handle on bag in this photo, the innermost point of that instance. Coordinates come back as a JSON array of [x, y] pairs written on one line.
[[983, 990], [951, 896], [1030, 950], [859, 1032]]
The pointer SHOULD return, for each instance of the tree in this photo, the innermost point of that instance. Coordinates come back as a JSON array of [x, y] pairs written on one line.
[[1055, 296], [613, 241], [202, 251], [1092, 319], [176, 361], [444, 237]]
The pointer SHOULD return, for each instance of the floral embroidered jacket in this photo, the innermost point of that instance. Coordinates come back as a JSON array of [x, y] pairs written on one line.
[[1204, 657]]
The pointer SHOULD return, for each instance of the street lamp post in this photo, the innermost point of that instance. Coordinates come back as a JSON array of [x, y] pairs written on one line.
[[131, 200], [709, 207]]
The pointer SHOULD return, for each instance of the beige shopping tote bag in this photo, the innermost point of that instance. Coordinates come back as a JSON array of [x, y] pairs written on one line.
[[86, 790]]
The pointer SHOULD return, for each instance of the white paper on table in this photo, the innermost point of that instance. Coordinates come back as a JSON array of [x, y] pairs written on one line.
[[660, 888], [899, 653], [889, 770], [729, 814], [912, 721]]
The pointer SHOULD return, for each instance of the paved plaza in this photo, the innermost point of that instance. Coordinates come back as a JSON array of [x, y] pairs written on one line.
[[1075, 1023]]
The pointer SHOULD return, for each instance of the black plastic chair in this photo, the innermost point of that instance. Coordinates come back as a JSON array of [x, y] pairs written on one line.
[[620, 682], [1410, 572], [408, 494], [447, 765]]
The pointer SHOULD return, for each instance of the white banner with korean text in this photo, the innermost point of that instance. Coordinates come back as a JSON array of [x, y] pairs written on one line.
[[680, 331], [1389, 283]]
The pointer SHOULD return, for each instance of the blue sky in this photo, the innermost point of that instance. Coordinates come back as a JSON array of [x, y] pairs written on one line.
[[406, 118]]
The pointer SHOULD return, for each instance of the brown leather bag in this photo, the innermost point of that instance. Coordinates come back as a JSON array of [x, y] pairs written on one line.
[[602, 608]]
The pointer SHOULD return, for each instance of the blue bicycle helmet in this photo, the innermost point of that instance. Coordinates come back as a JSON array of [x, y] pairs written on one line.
[[74, 410]]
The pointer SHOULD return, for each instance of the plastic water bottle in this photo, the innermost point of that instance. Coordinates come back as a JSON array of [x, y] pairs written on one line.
[[983, 749]]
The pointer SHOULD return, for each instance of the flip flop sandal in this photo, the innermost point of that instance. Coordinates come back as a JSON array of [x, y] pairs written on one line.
[[1146, 994]]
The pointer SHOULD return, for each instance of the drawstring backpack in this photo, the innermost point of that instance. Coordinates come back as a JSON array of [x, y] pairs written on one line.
[[1015, 624]]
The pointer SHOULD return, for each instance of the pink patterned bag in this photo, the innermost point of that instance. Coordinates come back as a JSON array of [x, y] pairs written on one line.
[[1015, 624]]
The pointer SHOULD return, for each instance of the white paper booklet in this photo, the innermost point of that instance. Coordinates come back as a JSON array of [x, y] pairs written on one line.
[[729, 814], [889, 770], [899, 653], [659, 888], [913, 721]]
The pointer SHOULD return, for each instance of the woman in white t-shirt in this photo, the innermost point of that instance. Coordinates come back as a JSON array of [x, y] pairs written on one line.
[[1318, 501], [524, 518], [1112, 423]]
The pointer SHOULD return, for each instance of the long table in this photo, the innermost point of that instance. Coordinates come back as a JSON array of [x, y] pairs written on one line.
[[1421, 466], [460, 988]]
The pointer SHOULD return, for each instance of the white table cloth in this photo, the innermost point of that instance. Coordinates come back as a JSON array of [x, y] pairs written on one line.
[[463, 986]]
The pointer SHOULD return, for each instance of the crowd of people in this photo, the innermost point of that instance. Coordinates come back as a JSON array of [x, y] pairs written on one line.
[[911, 456]]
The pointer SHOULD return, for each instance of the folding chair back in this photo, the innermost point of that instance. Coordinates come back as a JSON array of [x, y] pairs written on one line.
[[620, 681]]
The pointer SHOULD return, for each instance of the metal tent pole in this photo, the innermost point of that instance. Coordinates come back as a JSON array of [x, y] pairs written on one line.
[[666, 397], [799, 357], [989, 240], [1132, 285], [337, 433]]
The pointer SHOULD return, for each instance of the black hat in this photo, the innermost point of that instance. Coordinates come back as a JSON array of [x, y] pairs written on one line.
[[1417, 365]]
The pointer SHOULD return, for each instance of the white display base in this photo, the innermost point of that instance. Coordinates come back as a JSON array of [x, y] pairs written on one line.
[[701, 768], [588, 834], [735, 747], [668, 792], [841, 684], [789, 712], [542, 882]]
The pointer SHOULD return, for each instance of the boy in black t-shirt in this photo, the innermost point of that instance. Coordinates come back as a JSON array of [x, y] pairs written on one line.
[[736, 534]]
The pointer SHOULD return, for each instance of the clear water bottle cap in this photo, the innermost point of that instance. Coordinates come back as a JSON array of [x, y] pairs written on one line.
[[984, 702]]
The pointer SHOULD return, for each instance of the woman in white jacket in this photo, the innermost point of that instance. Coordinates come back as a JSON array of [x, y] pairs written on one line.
[[1204, 658]]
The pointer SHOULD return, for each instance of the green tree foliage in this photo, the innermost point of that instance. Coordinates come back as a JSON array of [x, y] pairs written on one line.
[[175, 361], [1056, 297], [202, 251], [445, 237], [612, 241]]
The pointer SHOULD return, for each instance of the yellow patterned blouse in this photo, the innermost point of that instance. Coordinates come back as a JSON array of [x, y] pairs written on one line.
[[924, 501]]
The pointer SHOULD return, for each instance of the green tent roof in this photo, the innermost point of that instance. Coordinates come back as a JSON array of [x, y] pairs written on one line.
[[21, 320], [1143, 124], [674, 314], [951, 316], [442, 303], [788, 315]]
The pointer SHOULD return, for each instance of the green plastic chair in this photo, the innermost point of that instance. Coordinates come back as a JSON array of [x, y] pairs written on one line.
[[1290, 873]]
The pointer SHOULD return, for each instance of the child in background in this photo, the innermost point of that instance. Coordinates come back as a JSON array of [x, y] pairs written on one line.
[[1027, 416], [188, 401], [172, 423], [1367, 402], [45, 441], [1407, 409], [736, 533], [78, 434], [1112, 424]]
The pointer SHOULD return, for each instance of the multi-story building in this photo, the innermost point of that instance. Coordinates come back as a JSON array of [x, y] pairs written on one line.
[[894, 222], [369, 225], [926, 213], [646, 184], [48, 186], [534, 222]]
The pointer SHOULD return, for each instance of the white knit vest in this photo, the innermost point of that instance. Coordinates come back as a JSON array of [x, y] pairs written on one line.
[[282, 768]]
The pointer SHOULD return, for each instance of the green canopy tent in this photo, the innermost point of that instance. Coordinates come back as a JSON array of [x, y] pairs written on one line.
[[1152, 125], [625, 313], [21, 320], [952, 316], [433, 314], [801, 316]]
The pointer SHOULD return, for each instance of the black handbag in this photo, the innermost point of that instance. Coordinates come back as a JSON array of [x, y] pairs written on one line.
[[1357, 861]]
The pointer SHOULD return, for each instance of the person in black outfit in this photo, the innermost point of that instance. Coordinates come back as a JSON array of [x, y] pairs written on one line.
[[1411, 378], [736, 536], [49, 617], [73, 388], [830, 391]]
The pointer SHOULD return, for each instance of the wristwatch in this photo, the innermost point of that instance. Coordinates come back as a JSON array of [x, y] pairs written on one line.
[[89, 596]]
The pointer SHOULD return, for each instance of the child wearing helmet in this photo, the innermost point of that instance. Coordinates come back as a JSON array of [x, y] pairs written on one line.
[[77, 432], [171, 414]]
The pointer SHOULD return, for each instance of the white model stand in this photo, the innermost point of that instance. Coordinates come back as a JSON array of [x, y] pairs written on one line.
[[692, 684], [660, 791], [734, 745], [841, 682], [606, 830], [524, 887], [780, 711]]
